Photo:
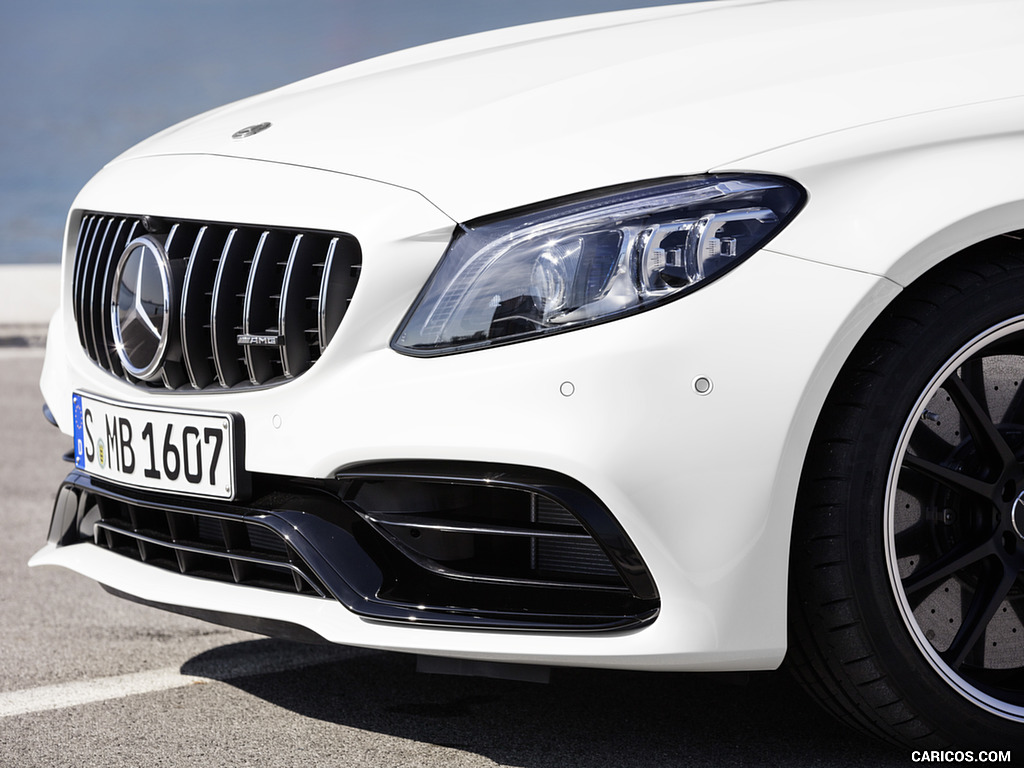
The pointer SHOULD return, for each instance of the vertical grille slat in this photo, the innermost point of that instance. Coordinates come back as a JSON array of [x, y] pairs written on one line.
[[341, 273], [296, 311], [197, 305], [284, 291], [259, 310], [92, 340], [125, 234], [196, 346], [86, 239], [101, 319], [84, 231], [285, 304], [232, 272], [169, 240], [178, 246]]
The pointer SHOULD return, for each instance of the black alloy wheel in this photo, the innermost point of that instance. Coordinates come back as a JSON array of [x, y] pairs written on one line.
[[954, 516], [907, 594]]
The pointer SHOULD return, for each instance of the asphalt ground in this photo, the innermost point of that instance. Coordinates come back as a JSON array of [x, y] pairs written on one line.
[[87, 679]]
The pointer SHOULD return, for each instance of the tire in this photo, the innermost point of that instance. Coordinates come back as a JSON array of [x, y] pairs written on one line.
[[906, 593]]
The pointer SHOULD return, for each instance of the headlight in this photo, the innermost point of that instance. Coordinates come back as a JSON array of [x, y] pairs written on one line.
[[591, 259]]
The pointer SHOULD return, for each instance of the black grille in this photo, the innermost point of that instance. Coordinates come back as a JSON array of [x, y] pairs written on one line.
[[288, 288], [205, 546]]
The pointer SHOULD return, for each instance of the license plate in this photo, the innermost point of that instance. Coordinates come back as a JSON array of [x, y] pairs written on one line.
[[191, 453]]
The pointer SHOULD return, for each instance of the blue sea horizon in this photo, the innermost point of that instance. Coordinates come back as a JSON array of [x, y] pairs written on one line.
[[82, 82]]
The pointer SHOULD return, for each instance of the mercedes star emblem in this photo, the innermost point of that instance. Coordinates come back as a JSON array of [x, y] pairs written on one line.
[[141, 307], [250, 130]]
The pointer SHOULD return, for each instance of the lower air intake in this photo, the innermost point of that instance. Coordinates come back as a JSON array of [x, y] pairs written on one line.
[[428, 544], [484, 532], [204, 546]]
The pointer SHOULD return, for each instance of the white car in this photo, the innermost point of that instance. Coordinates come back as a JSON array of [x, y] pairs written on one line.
[[668, 339]]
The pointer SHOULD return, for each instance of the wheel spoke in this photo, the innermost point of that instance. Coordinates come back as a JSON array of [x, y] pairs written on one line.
[[972, 374], [1015, 410], [914, 538], [926, 442], [918, 485], [950, 478], [944, 566], [979, 422], [910, 542], [983, 607]]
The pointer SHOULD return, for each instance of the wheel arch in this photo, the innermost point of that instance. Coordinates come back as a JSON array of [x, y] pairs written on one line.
[[977, 234], [976, 284], [931, 255], [897, 199]]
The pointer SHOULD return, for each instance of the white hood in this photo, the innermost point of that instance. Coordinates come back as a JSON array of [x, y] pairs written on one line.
[[488, 122]]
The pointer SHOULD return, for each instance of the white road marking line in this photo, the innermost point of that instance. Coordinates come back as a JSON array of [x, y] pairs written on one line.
[[65, 695]]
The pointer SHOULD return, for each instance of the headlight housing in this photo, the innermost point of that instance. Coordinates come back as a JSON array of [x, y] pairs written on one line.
[[592, 258]]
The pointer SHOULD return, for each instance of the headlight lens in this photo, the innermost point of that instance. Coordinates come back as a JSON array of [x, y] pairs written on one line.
[[592, 259]]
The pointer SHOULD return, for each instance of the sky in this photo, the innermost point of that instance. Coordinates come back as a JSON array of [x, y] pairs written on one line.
[[81, 82]]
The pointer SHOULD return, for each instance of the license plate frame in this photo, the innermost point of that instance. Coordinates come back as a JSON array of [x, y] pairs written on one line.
[[179, 451]]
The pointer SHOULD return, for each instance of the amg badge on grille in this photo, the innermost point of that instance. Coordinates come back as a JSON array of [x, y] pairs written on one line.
[[260, 340]]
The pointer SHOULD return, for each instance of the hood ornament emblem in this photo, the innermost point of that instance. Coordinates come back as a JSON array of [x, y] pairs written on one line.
[[250, 130]]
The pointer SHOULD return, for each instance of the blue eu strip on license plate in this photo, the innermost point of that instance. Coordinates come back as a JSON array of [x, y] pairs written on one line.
[[183, 452]]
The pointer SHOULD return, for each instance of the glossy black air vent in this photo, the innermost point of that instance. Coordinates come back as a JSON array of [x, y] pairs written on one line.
[[486, 533], [494, 529], [205, 546], [251, 306]]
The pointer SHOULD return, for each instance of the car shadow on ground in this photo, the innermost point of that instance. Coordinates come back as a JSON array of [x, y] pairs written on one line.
[[582, 717]]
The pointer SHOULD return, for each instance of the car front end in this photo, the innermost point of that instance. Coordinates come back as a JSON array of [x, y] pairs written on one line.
[[506, 349], [410, 491]]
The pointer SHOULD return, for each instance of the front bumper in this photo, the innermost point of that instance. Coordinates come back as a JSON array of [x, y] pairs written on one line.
[[702, 483], [431, 544]]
